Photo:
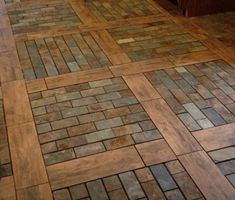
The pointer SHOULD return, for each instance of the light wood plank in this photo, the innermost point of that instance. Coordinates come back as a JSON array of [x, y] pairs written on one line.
[[141, 67], [192, 58], [207, 176], [38, 192], [110, 47], [172, 129], [28, 165], [155, 152], [78, 77], [216, 138], [141, 87], [16, 103], [83, 12], [7, 188], [36, 85], [10, 67], [7, 40], [93, 167]]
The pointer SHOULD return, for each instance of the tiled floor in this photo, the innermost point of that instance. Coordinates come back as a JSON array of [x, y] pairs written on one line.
[[59, 55], [42, 17], [116, 10], [114, 100]]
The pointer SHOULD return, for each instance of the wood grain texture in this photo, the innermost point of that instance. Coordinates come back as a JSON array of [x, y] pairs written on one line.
[[192, 58], [207, 176], [155, 152], [38, 192], [16, 103], [141, 87], [83, 12], [7, 188], [141, 67], [78, 77], [10, 67], [110, 47], [36, 85], [171, 128], [216, 138], [93, 167], [28, 165]]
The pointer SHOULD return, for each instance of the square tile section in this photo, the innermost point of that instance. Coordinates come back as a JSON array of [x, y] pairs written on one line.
[[41, 17], [59, 55], [117, 10], [202, 95], [89, 118], [154, 40]]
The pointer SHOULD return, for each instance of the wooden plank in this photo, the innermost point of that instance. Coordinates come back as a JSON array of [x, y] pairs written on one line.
[[16, 103], [112, 50], [171, 128], [78, 77], [36, 85], [192, 58], [28, 165], [38, 192], [141, 67], [216, 138], [10, 67], [83, 12], [155, 152], [7, 40], [7, 188], [141, 87], [93, 167], [207, 176]]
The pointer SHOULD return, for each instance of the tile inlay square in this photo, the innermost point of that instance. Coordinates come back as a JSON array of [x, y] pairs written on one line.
[[120, 9], [41, 17], [59, 55], [89, 118], [202, 95], [154, 40]]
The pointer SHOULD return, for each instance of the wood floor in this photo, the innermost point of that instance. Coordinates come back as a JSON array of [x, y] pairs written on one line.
[[115, 99]]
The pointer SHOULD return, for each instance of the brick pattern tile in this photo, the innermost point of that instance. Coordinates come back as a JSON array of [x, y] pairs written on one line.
[[202, 95], [59, 55], [225, 160], [5, 159], [154, 40], [43, 17], [89, 118], [116, 10], [164, 181]]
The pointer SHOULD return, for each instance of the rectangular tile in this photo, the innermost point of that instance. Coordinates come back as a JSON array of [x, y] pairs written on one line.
[[172, 129], [155, 152], [28, 168], [17, 109], [141, 87], [216, 138], [93, 167], [207, 176]]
